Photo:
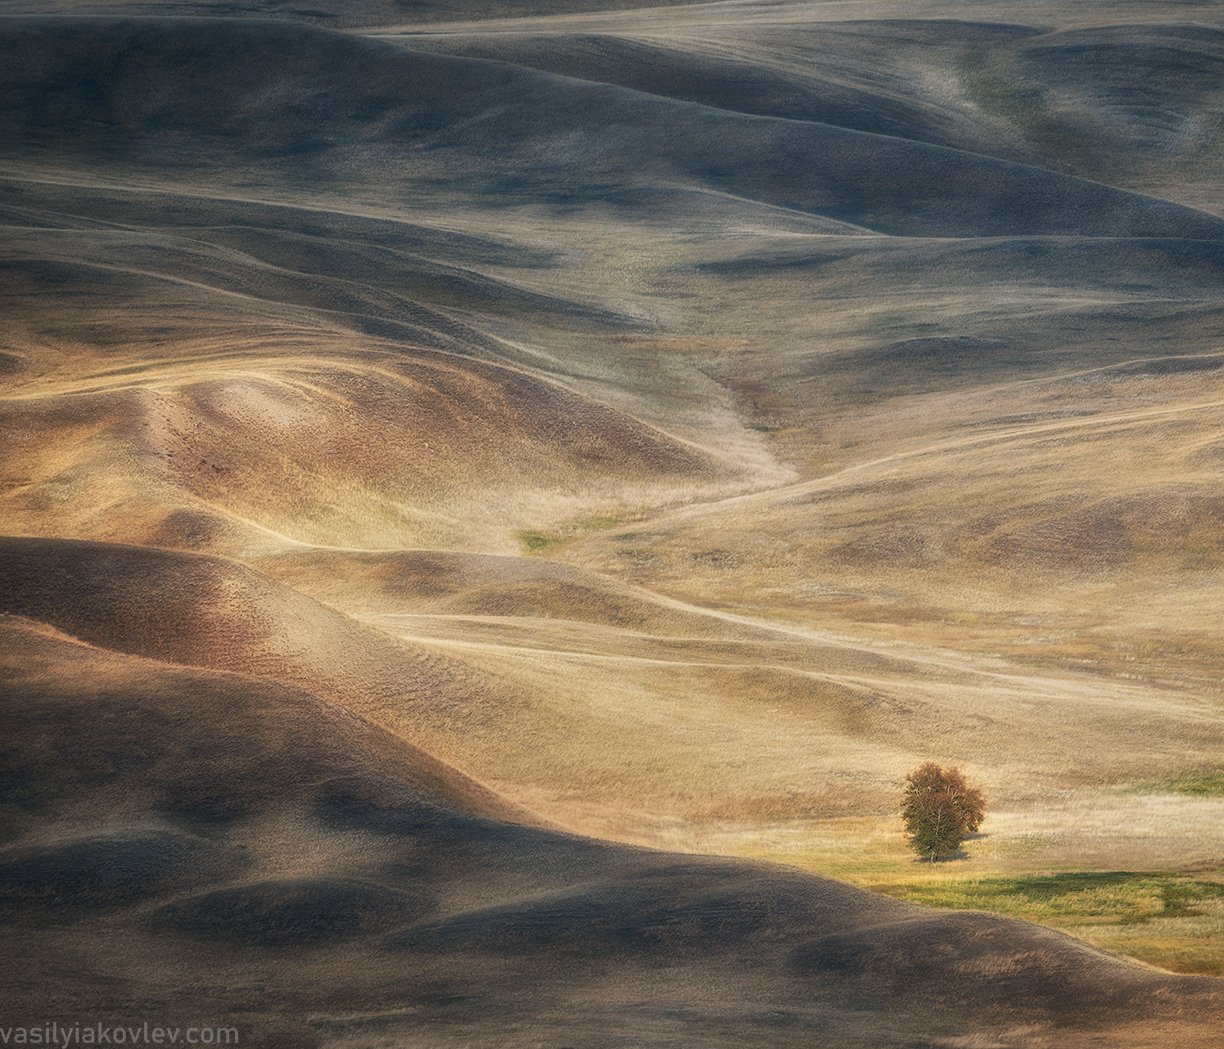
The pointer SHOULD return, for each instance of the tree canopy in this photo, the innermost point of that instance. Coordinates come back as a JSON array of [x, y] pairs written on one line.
[[940, 809]]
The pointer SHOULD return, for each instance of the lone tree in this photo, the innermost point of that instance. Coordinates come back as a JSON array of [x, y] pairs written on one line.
[[940, 810]]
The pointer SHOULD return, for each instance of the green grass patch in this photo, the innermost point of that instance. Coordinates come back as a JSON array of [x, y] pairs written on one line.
[[1172, 919], [1087, 898], [1000, 86], [1197, 785], [536, 542]]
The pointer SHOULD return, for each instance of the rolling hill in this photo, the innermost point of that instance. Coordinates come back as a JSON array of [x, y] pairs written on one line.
[[494, 498], [317, 879]]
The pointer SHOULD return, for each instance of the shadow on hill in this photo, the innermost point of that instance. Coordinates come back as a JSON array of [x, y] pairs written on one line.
[[239, 826], [247, 102]]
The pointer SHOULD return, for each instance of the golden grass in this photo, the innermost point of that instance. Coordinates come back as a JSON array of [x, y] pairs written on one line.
[[1170, 917], [1006, 556]]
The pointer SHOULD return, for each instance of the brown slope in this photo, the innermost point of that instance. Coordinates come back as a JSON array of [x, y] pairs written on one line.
[[212, 613], [194, 748], [1074, 519], [606, 729], [668, 724], [449, 583], [272, 443], [297, 870]]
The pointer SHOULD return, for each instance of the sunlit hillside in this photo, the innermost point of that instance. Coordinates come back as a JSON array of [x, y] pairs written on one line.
[[496, 497]]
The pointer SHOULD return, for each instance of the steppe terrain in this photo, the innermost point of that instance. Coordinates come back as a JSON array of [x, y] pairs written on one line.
[[495, 496]]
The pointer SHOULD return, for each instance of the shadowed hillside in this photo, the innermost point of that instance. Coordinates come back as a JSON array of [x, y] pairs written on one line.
[[312, 843], [1133, 104], [479, 479], [416, 113]]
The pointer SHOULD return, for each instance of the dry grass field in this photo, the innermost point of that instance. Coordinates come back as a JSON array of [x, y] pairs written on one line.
[[495, 495]]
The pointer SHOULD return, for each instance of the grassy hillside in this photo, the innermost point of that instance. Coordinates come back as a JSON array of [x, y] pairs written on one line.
[[331, 863], [467, 467]]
